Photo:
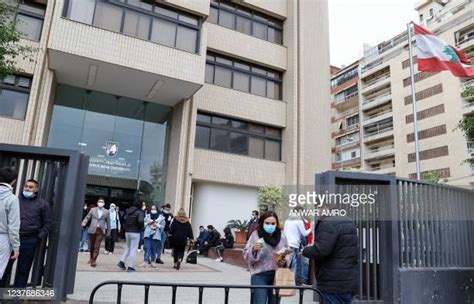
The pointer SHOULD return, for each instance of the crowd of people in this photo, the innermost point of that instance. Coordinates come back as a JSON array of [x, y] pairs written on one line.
[[25, 222]]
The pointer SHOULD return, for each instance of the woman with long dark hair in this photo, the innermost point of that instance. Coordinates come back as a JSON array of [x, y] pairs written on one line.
[[134, 225], [264, 242]]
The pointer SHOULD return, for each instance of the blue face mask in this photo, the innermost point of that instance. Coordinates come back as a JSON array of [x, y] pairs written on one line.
[[269, 228], [28, 194]]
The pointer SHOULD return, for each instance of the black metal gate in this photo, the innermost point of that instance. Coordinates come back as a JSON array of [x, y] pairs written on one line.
[[62, 178], [415, 241]]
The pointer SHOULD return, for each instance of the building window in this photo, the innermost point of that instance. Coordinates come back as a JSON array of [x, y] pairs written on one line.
[[243, 76], [352, 120], [142, 19], [14, 94], [344, 77], [29, 18], [245, 20], [238, 137]]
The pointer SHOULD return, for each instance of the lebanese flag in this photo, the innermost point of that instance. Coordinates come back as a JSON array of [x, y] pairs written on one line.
[[435, 55]]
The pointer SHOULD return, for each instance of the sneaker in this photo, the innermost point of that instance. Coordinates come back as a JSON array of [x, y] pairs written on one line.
[[121, 265], [131, 269], [222, 259], [106, 252], [159, 261], [139, 250], [110, 253], [218, 260], [143, 265]]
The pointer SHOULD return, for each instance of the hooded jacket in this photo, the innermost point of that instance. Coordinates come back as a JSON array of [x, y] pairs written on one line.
[[181, 231], [10, 215], [335, 253]]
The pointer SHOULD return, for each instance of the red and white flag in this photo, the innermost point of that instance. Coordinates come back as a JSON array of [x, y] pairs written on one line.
[[435, 55]]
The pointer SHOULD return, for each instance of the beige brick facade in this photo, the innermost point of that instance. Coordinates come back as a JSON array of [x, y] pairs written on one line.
[[73, 53]]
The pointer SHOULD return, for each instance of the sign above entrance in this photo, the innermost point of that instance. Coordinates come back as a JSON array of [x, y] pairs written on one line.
[[111, 148]]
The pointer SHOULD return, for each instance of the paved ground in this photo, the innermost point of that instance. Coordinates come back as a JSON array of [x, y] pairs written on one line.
[[207, 271]]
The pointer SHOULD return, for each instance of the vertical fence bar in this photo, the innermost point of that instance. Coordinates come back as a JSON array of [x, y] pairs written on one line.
[[200, 294], [147, 293], [226, 295], [173, 295], [119, 293]]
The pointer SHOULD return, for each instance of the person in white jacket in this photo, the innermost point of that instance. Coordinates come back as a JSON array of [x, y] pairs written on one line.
[[9, 218], [296, 233]]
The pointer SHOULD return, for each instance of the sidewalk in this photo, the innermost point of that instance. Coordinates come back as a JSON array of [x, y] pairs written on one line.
[[207, 271]]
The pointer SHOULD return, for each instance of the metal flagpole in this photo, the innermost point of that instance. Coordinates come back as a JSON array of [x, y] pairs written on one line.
[[413, 97]]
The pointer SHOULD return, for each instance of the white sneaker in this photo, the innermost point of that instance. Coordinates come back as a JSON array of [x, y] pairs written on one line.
[[219, 260], [106, 252], [110, 253]]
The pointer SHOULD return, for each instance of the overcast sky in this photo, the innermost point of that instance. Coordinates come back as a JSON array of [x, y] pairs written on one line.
[[353, 22]]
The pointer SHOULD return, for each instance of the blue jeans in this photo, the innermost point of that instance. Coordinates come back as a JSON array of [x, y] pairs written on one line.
[[84, 243], [150, 246], [336, 298], [25, 260], [300, 266], [263, 296], [161, 245]]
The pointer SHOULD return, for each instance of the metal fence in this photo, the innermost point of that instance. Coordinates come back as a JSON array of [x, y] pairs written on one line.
[[201, 287], [415, 243], [61, 175]]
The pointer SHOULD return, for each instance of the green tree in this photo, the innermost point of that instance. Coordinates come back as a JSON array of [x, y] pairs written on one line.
[[467, 126], [10, 46], [432, 177], [270, 196]]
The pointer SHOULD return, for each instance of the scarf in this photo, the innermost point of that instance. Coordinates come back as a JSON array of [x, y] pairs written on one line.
[[273, 239], [154, 216], [181, 219]]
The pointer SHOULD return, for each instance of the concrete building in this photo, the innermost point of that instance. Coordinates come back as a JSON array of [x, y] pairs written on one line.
[[385, 104], [196, 103]]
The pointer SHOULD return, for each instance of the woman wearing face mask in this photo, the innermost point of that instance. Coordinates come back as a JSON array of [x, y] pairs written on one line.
[[114, 230], [267, 240], [154, 225]]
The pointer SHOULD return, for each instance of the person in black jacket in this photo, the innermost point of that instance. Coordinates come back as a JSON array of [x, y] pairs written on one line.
[[213, 240], [180, 233], [226, 242], [35, 224], [134, 224], [335, 254]]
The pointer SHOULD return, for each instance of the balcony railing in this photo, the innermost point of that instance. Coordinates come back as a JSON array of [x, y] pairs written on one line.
[[379, 149], [376, 98], [381, 167], [347, 143], [346, 113], [377, 114], [379, 131], [347, 97], [372, 81]]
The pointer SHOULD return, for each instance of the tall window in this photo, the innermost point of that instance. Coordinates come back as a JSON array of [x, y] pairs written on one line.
[[142, 19], [240, 137], [14, 94], [246, 21], [30, 17], [243, 76]]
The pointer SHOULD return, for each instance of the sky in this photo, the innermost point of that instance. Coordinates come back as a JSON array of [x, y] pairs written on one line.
[[355, 22]]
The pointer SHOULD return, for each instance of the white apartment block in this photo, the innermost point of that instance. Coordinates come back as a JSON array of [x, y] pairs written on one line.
[[384, 104], [196, 103]]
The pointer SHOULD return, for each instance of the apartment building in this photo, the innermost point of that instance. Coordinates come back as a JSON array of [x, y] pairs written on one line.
[[385, 104], [196, 103], [346, 151]]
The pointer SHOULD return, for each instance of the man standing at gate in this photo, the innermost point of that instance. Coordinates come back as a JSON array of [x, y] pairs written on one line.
[[9, 219], [335, 254], [35, 224], [98, 229]]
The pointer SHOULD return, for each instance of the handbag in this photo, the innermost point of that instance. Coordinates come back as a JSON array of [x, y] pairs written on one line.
[[285, 277]]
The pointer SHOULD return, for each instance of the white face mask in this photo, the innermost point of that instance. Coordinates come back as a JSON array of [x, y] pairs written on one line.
[[100, 205], [144, 207], [85, 207], [112, 207], [153, 211]]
